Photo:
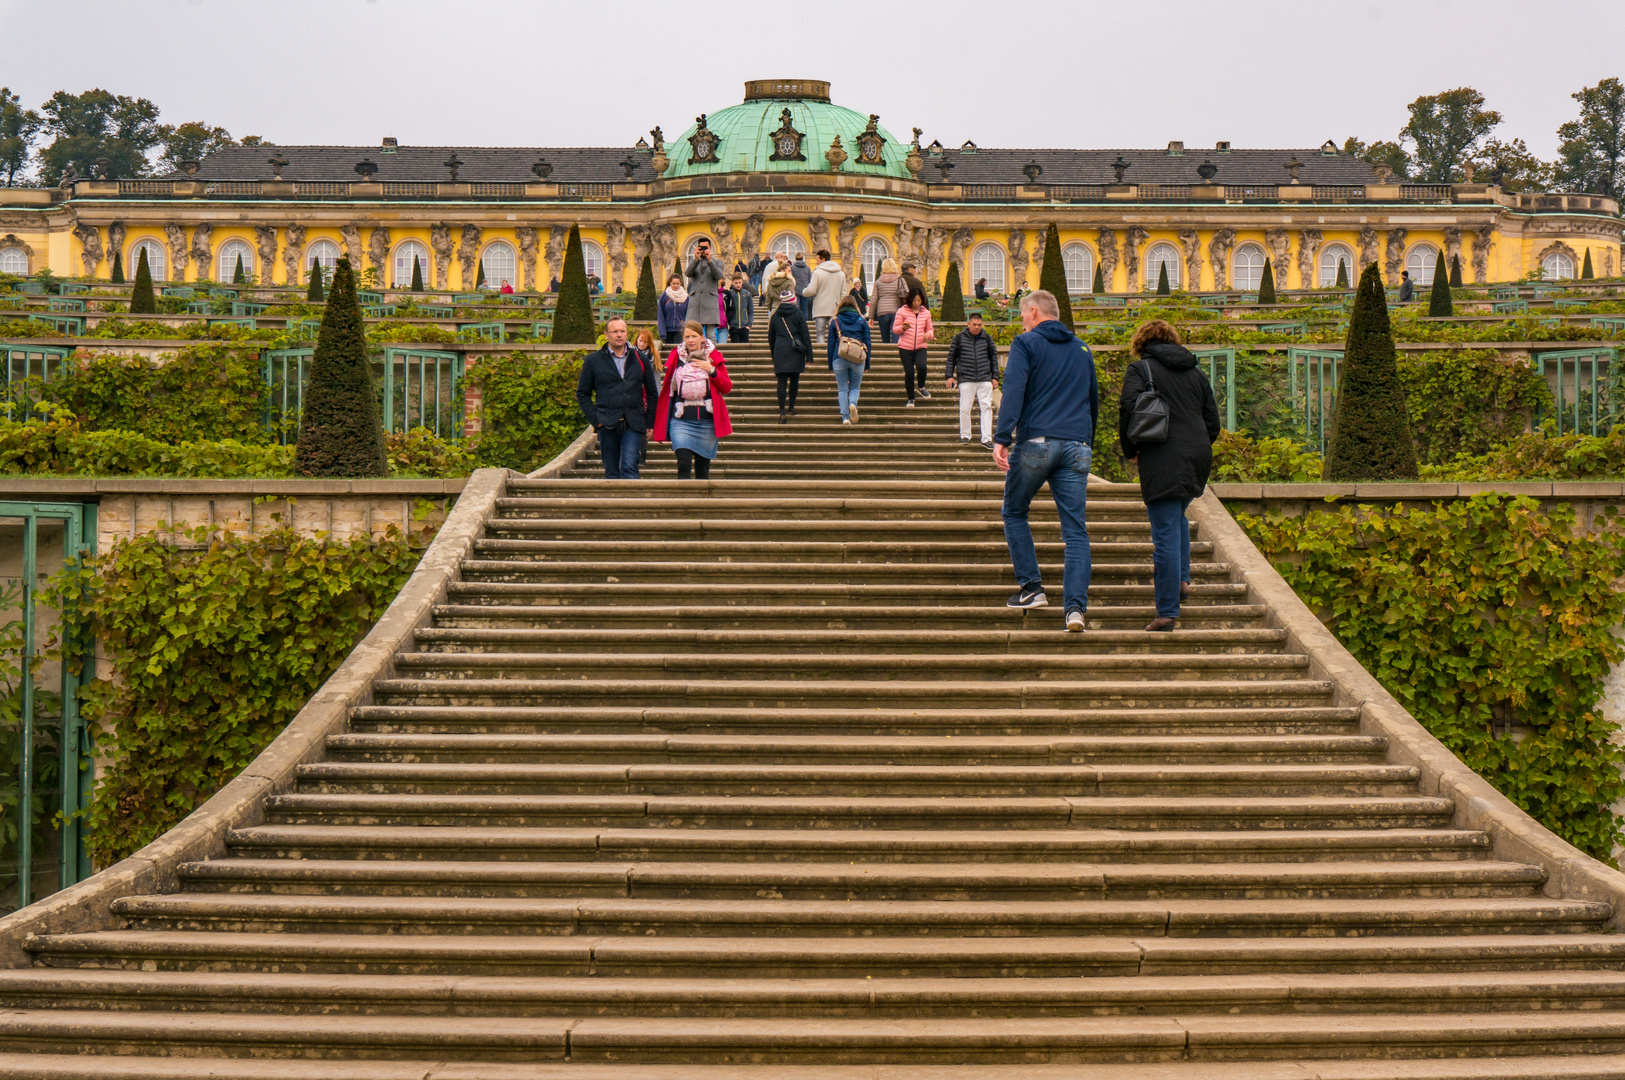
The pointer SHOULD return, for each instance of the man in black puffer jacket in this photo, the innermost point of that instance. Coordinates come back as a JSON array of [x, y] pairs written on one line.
[[617, 393], [1174, 472], [973, 363]]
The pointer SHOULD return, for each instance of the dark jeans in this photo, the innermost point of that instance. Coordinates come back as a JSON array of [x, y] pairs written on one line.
[[913, 369], [673, 336], [883, 323], [1170, 552], [739, 335], [1065, 464], [621, 449], [788, 384], [805, 304]]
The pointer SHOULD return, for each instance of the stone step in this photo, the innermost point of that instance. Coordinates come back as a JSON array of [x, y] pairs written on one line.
[[677, 505], [954, 813], [757, 530], [824, 486], [831, 616], [772, 592], [666, 566], [861, 846], [1019, 750], [883, 722], [1109, 561], [1331, 917]]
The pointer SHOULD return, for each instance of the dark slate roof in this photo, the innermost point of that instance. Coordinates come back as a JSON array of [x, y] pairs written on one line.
[[582, 164], [998, 166]]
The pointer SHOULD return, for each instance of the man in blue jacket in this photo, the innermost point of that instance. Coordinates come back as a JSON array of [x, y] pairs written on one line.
[[1046, 430]]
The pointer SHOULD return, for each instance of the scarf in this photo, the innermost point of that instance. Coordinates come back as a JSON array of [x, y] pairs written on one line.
[[679, 295]]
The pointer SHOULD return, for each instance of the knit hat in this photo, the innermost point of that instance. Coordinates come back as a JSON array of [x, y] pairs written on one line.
[[787, 295]]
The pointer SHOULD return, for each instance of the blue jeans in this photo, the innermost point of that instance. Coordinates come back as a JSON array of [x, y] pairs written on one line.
[[805, 304], [621, 450], [883, 324], [722, 336], [848, 377], [1170, 552], [1065, 464]]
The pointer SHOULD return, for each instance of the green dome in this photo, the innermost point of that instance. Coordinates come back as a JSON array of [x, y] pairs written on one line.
[[745, 134]]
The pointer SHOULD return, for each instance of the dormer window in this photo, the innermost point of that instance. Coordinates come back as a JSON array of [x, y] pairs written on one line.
[[1176, 148], [968, 148], [1328, 148]]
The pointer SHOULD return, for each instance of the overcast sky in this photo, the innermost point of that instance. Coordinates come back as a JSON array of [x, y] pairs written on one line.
[[1260, 73]]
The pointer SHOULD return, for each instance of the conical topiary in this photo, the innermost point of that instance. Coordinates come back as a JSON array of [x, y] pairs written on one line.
[[315, 293], [417, 275], [340, 430], [1455, 271], [1099, 287], [572, 321], [240, 277], [677, 269], [1266, 284], [1586, 273], [1342, 275], [479, 275], [1162, 279], [117, 274], [1371, 434], [953, 297], [1052, 276], [1439, 302], [644, 310], [142, 302]]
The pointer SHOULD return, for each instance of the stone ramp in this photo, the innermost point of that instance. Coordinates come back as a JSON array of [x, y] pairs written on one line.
[[700, 780]]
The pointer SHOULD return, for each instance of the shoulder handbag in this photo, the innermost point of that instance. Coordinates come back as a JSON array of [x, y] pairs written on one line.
[[851, 349], [1148, 422]]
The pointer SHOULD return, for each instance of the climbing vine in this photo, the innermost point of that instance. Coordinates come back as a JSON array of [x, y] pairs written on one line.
[[1490, 620], [528, 409]]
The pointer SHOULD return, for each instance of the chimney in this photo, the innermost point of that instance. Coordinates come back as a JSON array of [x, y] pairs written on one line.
[[389, 144], [1176, 148], [1222, 146]]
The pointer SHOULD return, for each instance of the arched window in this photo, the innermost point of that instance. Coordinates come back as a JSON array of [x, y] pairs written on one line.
[[322, 251], [593, 256], [1079, 262], [1330, 256], [1247, 267], [1161, 254], [873, 252], [155, 259], [693, 246], [789, 243], [499, 263], [230, 252], [13, 260], [401, 265], [987, 261], [1556, 267], [1421, 263]]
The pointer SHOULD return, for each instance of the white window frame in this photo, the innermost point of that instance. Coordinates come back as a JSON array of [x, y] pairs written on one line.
[[494, 277], [987, 261], [1417, 263], [225, 260], [1156, 255], [1329, 258], [694, 243], [14, 260], [318, 251], [1557, 267], [1078, 260], [1247, 278], [788, 242], [157, 259], [871, 253], [400, 264], [593, 256]]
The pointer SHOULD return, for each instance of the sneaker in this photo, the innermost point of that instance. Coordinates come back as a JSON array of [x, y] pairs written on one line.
[[910, 405], [853, 409], [925, 393], [987, 444], [783, 418], [1074, 622], [964, 439], [845, 422], [1028, 598], [792, 410]]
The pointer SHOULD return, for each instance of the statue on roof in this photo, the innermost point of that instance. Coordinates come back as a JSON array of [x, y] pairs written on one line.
[[659, 138]]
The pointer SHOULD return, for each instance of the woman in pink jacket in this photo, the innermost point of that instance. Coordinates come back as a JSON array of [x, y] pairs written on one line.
[[912, 331]]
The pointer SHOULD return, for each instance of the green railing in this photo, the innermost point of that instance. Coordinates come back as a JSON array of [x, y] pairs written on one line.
[[1224, 390], [28, 366], [1507, 307], [1583, 390], [417, 388], [481, 331], [1319, 389], [64, 322]]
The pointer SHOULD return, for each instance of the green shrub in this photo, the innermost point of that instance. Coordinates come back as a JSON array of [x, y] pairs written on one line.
[[1052, 276], [203, 392], [1455, 271], [417, 274], [1467, 400], [1162, 279], [1439, 303], [387, 332], [1238, 459], [648, 296], [54, 443], [1342, 275], [953, 296], [314, 293], [572, 322], [1586, 273], [528, 409], [1478, 614], [341, 431], [116, 275], [420, 452], [1099, 287], [1266, 284], [27, 328], [1540, 455], [1371, 437], [240, 275]]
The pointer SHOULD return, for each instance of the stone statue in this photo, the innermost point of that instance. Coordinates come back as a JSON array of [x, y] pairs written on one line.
[[665, 243], [116, 232], [1108, 256], [903, 240], [179, 258], [723, 234], [1131, 255], [1395, 260], [848, 236], [1368, 248], [90, 247], [1218, 254], [1483, 240], [378, 252], [468, 253], [641, 242], [750, 242], [818, 233], [835, 155], [440, 245], [202, 252], [932, 279], [351, 236], [914, 163], [1309, 241], [293, 252], [1016, 247], [659, 138], [528, 240], [265, 237], [557, 237], [615, 242], [1452, 246], [1280, 245], [1040, 242], [1191, 241], [957, 243], [1608, 262]]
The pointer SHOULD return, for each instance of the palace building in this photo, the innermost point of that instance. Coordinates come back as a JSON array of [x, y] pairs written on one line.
[[788, 170]]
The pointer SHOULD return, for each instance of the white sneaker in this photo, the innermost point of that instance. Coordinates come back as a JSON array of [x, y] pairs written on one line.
[[1074, 622], [852, 410], [846, 423]]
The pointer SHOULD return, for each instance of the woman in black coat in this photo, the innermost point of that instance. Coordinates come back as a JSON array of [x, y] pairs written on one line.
[[788, 340], [1172, 473]]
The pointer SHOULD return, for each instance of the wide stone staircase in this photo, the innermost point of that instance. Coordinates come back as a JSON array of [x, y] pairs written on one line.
[[759, 777]]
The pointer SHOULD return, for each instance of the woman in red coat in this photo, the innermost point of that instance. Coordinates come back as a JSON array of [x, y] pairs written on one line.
[[691, 413]]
